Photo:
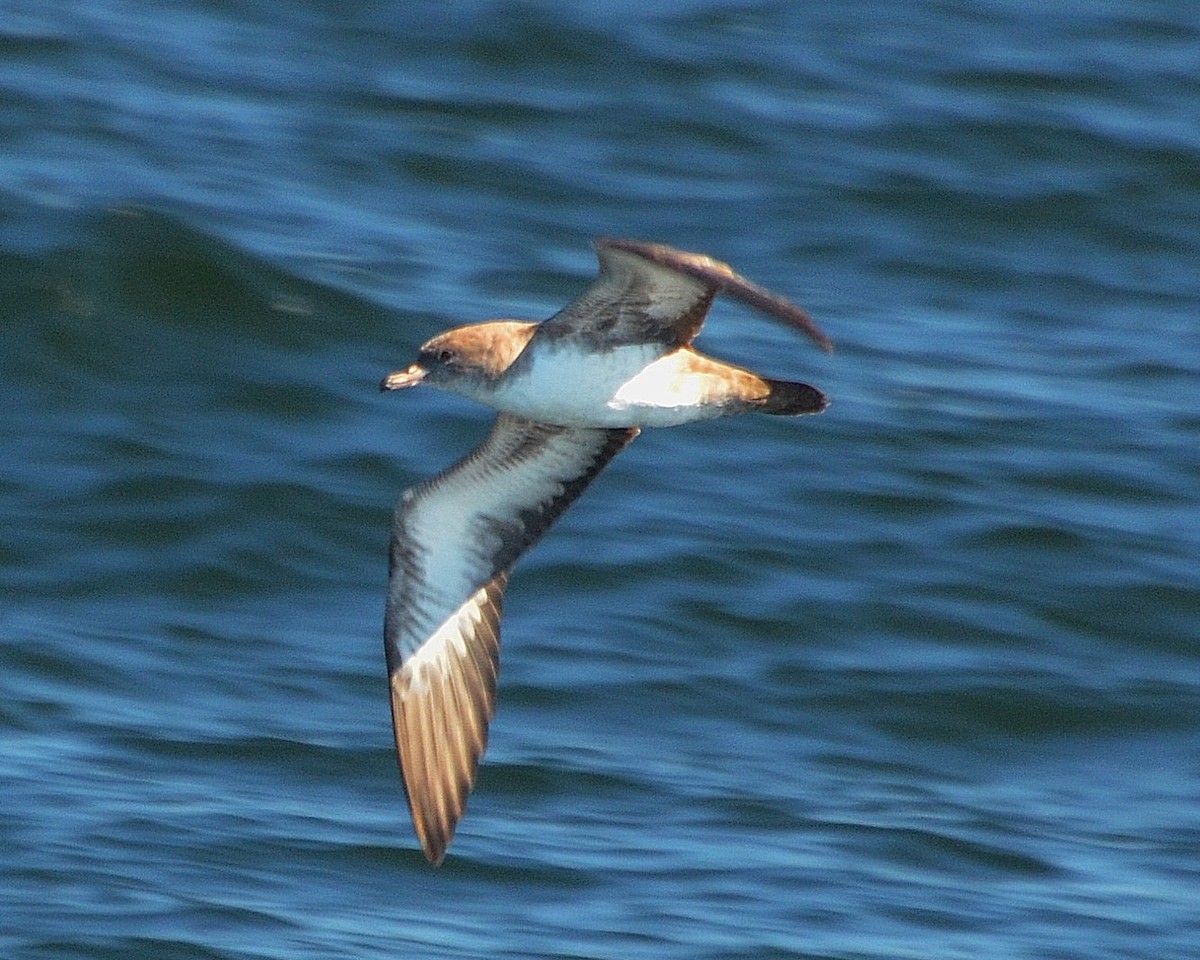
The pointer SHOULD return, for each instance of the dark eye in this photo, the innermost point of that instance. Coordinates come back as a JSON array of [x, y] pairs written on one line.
[[445, 356]]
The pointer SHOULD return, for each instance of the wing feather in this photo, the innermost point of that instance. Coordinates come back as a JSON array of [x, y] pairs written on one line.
[[651, 293], [454, 541]]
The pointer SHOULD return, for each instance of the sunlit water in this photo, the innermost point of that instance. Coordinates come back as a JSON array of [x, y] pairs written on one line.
[[917, 678]]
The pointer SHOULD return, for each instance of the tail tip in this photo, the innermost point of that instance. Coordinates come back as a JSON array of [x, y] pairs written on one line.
[[789, 399]]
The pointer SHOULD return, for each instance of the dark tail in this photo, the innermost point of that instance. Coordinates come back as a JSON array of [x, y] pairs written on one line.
[[788, 399]]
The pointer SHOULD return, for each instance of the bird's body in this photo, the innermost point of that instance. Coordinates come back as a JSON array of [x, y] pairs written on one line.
[[623, 386], [571, 393]]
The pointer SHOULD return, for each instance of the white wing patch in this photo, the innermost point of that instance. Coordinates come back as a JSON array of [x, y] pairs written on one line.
[[446, 643]]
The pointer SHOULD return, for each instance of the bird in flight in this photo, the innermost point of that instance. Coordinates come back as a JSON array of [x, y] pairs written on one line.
[[571, 393]]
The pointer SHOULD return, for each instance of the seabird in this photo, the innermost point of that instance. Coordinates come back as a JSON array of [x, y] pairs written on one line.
[[571, 393]]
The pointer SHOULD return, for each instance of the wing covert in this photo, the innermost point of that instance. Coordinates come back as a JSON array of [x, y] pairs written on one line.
[[652, 293]]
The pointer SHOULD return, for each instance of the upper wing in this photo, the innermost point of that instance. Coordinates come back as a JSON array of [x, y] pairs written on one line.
[[454, 540], [650, 293]]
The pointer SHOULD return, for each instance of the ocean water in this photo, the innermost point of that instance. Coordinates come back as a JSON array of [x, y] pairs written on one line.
[[917, 678]]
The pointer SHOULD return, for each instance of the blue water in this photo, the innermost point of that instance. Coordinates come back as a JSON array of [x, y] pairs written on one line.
[[917, 678]]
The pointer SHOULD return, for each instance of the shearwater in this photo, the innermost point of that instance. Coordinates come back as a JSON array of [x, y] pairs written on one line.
[[571, 392]]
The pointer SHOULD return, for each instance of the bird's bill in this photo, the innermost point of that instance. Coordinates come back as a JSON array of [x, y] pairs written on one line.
[[399, 379]]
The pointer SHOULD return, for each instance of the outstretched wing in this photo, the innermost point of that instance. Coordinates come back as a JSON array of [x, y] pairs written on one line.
[[650, 293], [454, 540]]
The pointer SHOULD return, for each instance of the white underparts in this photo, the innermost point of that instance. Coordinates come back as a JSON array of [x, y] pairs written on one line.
[[623, 387]]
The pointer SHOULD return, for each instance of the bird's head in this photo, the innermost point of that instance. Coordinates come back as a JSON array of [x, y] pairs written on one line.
[[464, 359]]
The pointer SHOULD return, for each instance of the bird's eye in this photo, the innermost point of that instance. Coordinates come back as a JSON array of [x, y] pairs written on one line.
[[445, 356]]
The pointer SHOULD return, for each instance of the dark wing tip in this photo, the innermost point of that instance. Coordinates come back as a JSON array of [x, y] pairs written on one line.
[[778, 307], [435, 841], [722, 277]]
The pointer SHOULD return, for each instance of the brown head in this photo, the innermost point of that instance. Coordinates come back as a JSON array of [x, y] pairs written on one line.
[[464, 359]]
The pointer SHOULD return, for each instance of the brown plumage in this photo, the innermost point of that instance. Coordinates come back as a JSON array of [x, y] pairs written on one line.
[[572, 392]]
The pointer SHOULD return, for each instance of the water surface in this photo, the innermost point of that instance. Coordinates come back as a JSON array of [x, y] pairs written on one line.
[[915, 678]]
